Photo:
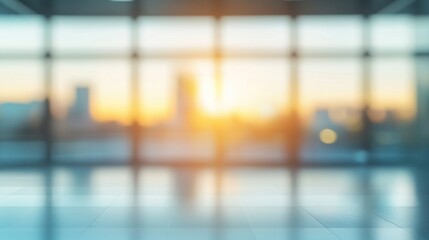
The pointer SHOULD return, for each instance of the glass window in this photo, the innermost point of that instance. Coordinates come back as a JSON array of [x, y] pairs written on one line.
[[422, 33], [392, 34], [393, 104], [330, 108], [255, 34], [94, 35], [21, 35], [21, 111], [177, 106], [330, 34], [92, 110], [423, 105], [176, 34], [254, 106]]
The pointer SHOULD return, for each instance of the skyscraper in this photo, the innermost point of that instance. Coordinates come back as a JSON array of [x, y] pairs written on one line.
[[79, 112], [185, 108]]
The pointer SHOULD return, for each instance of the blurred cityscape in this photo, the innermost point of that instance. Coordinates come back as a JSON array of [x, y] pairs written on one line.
[[279, 82], [330, 134], [214, 119]]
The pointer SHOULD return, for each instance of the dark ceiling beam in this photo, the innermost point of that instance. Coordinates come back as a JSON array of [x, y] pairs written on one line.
[[17, 6], [395, 6]]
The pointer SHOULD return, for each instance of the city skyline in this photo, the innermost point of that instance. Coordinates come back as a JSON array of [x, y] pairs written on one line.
[[324, 82], [250, 96]]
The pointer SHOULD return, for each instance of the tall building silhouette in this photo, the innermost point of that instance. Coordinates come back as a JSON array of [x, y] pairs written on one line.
[[80, 113], [185, 108]]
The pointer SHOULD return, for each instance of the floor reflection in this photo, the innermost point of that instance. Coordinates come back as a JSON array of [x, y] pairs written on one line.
[[202, 203]]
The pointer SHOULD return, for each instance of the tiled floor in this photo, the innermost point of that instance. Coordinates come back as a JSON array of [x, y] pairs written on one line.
[[238, 203]]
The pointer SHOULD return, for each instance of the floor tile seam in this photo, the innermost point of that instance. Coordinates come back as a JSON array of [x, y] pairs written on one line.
[[326, 227], [92, 223], [248, 222], [385, 219]]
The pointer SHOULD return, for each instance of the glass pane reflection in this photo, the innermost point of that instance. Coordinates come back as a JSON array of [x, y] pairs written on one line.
[[422, 106], [393, 104], [177, 106], [392, 34], [21, 35], [87, 35], [21, 111], [154, 202], [330, 105], [255, 82], [422, 33], [176, 34], [254, 106], [255, 34], [92, 110], [333, 34]]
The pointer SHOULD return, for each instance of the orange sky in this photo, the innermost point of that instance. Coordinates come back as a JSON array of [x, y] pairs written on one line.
[[247, 90], [254, 88]]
